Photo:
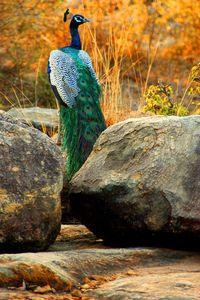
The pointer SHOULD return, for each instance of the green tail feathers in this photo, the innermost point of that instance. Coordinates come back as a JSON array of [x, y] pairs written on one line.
[[82, 124]]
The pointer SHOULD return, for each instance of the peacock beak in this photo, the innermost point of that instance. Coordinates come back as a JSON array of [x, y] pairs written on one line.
[[86, 20]]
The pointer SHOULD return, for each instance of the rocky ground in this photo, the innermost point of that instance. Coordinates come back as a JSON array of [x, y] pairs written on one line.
[[79, 266], [139, 189]]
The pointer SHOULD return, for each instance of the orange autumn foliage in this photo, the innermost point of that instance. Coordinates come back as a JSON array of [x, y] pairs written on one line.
[[130, 43]]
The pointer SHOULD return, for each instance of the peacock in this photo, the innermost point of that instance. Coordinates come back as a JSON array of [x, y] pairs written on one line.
[[77, 89]]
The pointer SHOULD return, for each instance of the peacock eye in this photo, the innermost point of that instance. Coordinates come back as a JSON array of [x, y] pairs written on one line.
[[87, 107], [82, 95], [78, 19]]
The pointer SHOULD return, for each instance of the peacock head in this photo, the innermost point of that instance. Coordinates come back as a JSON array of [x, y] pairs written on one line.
[[76, 20], [79, 19]]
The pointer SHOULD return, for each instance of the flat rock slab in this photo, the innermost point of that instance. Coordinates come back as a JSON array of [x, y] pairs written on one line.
[[81, 267], [74, 237], [164, 283], [44, 119]]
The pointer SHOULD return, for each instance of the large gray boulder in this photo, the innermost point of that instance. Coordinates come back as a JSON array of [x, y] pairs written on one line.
[[31, 178], [141, 184]]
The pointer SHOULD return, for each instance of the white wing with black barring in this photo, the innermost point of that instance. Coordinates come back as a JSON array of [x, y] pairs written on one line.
[[87, 60], [64, 76]]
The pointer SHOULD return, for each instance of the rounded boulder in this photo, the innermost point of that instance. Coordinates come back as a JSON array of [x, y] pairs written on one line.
[[31, 178]]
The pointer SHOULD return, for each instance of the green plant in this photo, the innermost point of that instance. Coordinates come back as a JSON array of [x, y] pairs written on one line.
[[194, 91], [159, 100], [195, 73]]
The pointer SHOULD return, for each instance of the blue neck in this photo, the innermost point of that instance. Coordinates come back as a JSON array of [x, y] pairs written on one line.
[[75, 41]]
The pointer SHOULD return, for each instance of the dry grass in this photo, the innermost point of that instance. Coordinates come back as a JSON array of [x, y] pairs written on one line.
[[132, 45]]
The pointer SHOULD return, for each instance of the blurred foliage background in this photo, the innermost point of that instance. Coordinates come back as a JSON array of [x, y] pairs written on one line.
[[133, 44]]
